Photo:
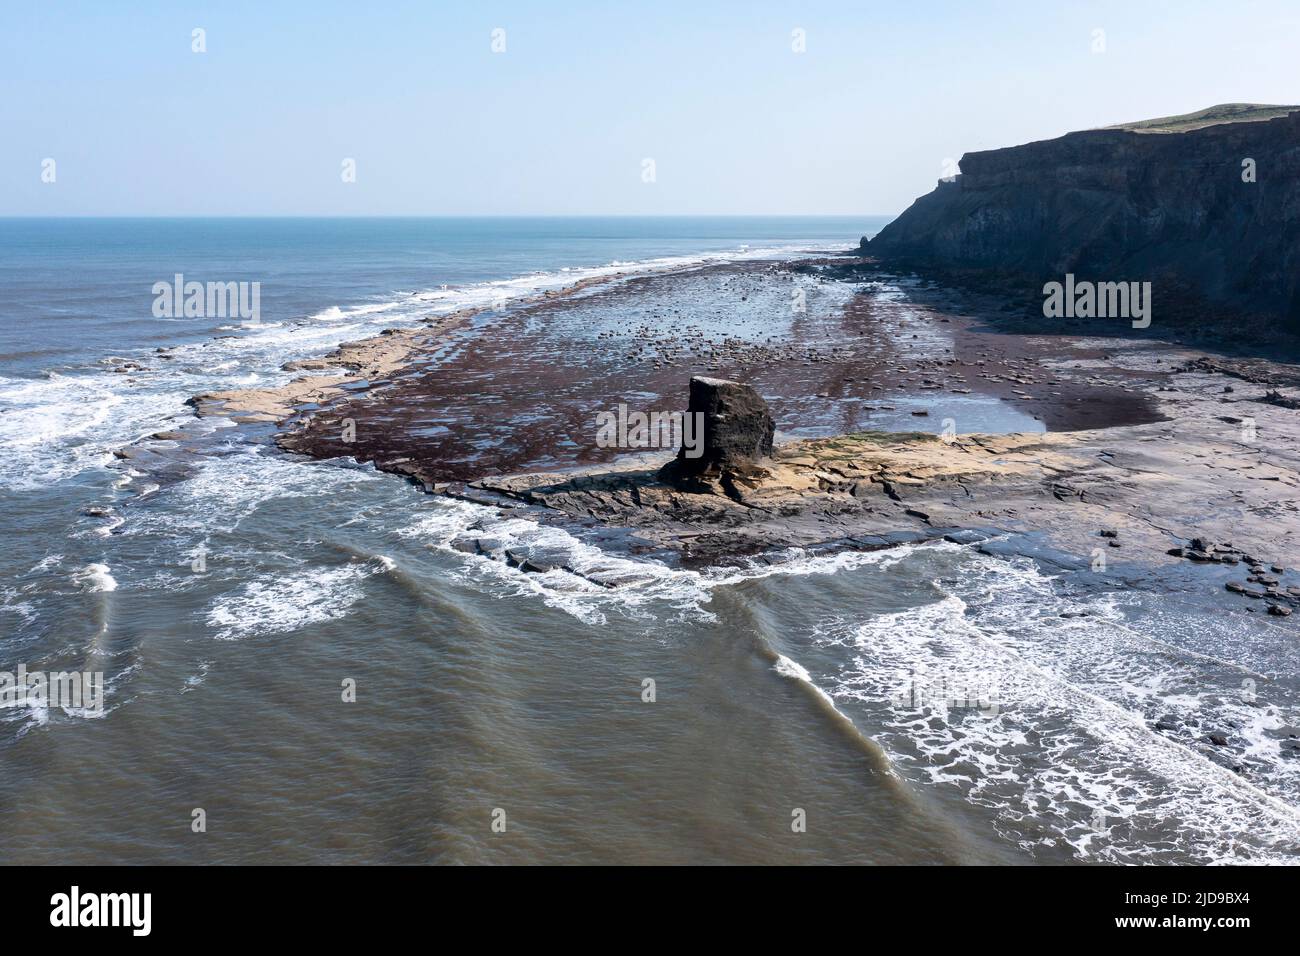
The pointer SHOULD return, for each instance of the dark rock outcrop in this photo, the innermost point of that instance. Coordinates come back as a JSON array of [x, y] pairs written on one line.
[[737, 429], [1204, 212]]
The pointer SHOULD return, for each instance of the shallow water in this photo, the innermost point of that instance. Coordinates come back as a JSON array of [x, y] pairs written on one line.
[[929, 703]]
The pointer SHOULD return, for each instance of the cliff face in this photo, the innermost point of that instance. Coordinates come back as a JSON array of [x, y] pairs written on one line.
[[1167, 205]]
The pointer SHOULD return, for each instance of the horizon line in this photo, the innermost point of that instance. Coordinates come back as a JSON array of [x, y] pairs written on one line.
[[690, 215]]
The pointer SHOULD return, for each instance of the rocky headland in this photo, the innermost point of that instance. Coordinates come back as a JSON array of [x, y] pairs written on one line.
[[1205, 206]]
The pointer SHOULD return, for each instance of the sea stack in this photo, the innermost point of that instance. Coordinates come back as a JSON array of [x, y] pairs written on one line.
[[738, 431]]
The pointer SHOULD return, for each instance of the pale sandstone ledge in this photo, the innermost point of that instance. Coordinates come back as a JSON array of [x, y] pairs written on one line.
[[364, 360], [807, 493]]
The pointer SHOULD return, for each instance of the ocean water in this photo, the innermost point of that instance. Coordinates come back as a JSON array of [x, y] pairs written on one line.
[[931, 703]]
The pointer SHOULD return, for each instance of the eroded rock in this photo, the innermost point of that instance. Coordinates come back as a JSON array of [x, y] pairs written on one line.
[[738, 430]]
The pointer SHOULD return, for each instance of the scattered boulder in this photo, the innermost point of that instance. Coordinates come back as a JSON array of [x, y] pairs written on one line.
[[1239, 588], [1274, 397], [520, 559]]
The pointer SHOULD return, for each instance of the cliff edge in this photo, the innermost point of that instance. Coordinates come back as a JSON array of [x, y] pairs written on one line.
[[1205, 205]]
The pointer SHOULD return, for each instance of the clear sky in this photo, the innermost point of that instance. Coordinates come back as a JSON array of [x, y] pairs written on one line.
[[561, 122]]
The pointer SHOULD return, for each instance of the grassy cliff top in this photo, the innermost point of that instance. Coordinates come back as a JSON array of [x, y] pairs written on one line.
[[1214, 115]]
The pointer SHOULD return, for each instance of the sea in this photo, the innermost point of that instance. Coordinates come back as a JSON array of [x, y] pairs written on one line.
[[299, 667]]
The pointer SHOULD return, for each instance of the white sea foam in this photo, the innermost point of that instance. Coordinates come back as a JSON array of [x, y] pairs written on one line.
[[792, 669], [49, 426], [225, 490], [286, 602], [30, 713], [95, 578], [592, 583], [1067, 755], [334, 313], [198, 678], [115, 521], [11, 603]]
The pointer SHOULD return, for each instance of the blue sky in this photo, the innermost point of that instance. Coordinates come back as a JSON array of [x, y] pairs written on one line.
[[735, 121]]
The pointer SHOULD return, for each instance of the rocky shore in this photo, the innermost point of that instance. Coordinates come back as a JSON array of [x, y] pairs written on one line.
[[1195, 487], [1153, 453], [368, 361]]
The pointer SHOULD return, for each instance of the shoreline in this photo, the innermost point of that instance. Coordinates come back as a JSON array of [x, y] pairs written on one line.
[[362, 360], [387, 352], [1137, 441]]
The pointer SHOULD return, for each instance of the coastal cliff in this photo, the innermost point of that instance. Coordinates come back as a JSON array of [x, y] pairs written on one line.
[[1206, 206]]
